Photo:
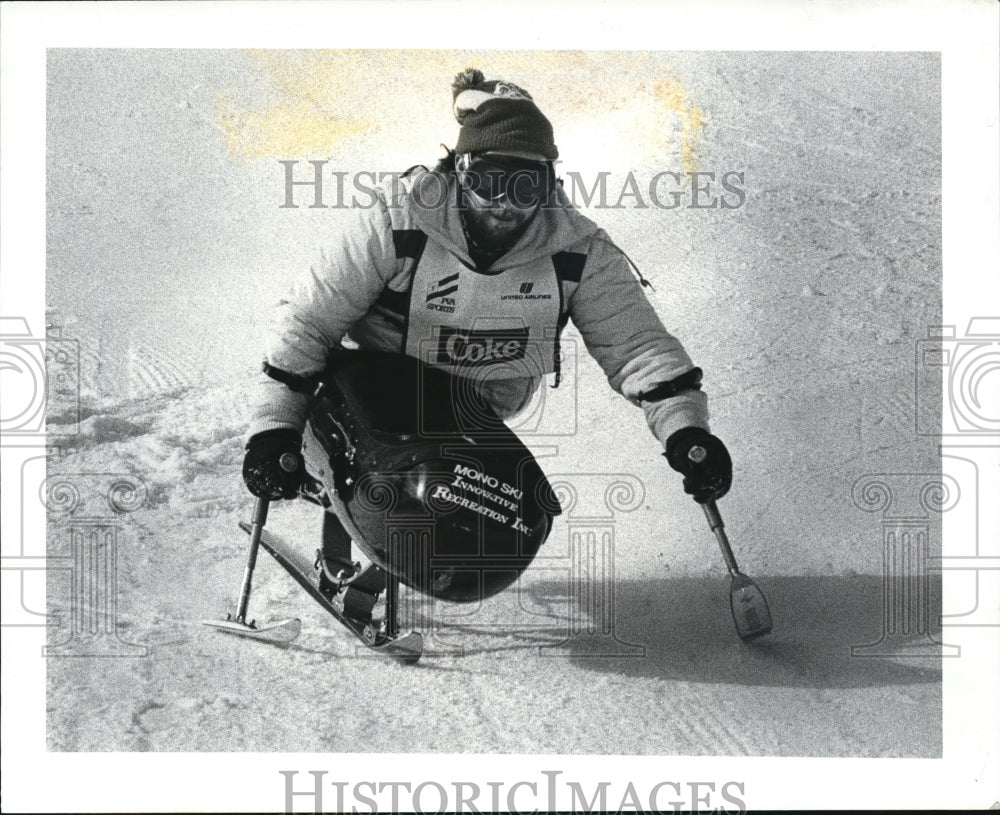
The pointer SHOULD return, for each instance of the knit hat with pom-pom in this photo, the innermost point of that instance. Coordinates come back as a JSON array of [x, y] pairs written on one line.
[[498, 115]]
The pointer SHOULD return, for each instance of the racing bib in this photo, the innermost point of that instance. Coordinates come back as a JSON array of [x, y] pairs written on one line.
[[480, 326]]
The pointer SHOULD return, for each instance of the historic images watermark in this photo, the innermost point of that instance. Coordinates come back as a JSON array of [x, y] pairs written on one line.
[[581, 619], [40, 371], [490, 349], [91, 509], [592, 504], [907, 502], [663, 189], [87, 511], [965, 365], [545, 792], [41, 381], [953, 376], [956, 389]]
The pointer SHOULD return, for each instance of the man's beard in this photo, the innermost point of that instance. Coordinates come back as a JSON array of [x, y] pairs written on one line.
[[496, 228]]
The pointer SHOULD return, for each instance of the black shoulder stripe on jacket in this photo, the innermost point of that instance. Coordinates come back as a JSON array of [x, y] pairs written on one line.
[[409, 243], [569, 265]]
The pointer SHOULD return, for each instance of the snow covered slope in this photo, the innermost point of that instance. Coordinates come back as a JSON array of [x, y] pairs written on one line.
[[803, 306]]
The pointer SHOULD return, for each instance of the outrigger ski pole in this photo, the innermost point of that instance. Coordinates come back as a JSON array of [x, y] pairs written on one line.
[[281, 631], [749, 607]]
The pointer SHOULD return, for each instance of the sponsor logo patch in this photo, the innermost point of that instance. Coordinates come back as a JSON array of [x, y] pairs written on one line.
[[458, 346], [439, 296], [524, 293]]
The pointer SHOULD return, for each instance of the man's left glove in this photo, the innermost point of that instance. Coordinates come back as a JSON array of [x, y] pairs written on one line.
[[704, 462], [273, 466]]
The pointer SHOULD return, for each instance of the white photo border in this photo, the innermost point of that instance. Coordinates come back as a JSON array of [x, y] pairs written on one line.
[[965, 33]]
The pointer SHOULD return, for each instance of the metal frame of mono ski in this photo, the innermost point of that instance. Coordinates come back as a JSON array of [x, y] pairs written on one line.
[[406, 647]]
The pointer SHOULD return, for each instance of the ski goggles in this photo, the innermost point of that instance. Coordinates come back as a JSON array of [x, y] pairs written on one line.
[[523, 182]]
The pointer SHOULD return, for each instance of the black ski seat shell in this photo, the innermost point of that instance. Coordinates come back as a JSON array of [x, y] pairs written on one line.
[[446, 495]]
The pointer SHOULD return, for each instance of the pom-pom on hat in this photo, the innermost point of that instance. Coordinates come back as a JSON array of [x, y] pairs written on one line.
[[498, 115]]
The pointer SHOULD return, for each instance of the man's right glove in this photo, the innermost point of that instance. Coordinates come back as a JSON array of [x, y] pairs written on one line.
[[273, 466], [704, 462]]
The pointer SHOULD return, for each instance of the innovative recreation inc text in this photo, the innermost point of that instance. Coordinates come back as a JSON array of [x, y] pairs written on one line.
[[313, 791], [317, 187]]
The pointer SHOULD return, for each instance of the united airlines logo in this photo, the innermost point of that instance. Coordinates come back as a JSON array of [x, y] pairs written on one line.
[[458, 346], [524, 293], [439, 296]]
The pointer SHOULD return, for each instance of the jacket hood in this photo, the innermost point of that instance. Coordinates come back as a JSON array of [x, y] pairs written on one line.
[[553, 229]]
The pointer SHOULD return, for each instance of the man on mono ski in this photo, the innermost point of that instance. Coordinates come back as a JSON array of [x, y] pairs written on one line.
[[473, 269]]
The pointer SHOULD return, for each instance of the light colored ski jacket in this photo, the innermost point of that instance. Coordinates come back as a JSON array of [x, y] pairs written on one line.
[[401, 279]]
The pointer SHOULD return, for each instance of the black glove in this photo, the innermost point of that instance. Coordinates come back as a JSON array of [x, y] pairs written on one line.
[[273, 466], [704, 462]]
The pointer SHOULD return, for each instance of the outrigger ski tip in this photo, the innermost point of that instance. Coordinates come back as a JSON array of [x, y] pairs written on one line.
[[751, 613], [280, 631], [406, 647]]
